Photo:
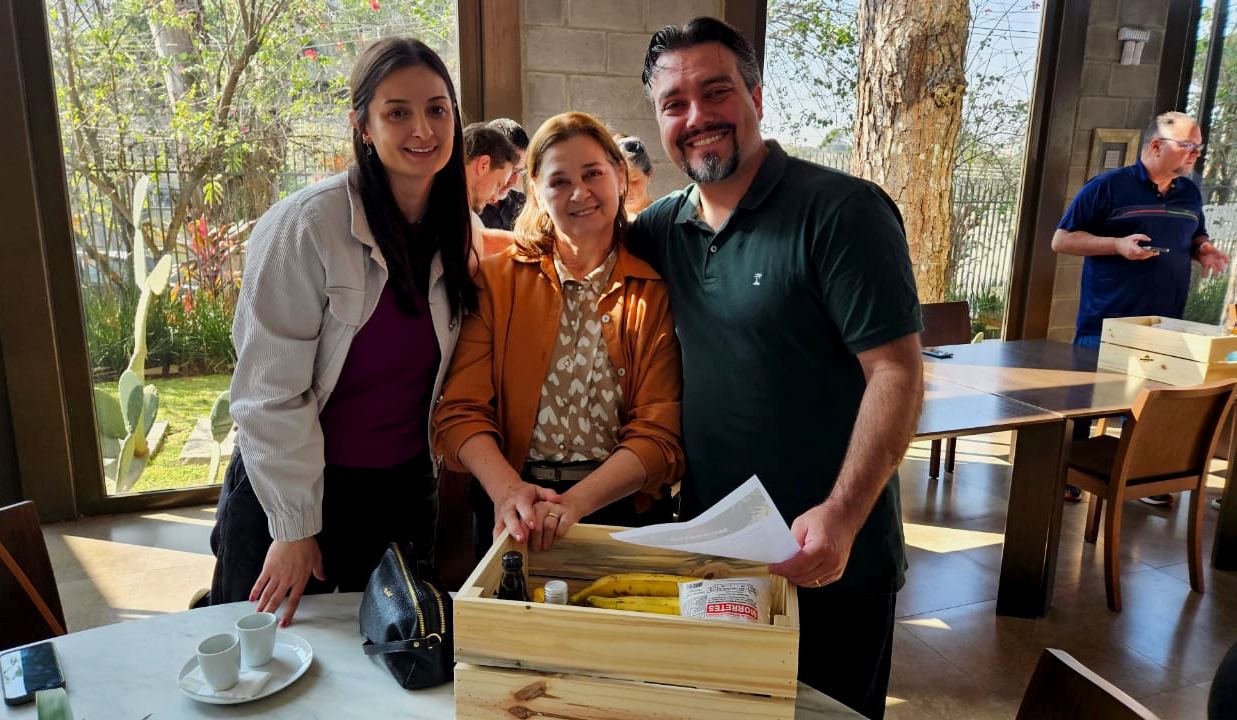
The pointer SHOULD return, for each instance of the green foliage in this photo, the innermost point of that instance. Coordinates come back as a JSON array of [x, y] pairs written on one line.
[[812, 67], [183, 401], [987, 308], [1206, 302], [200, 326], [109, 336], [1220, 169], [813, 52], [192, 331], [232, 86]]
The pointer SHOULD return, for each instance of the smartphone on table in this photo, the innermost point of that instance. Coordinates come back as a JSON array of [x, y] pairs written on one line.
[[28, 670], [937, 353]]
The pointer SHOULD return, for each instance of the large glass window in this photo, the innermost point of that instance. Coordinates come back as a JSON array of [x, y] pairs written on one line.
[[811, 70], [183, 121], [1213, 101]]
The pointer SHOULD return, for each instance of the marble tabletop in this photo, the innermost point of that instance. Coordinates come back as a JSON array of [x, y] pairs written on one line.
[[129, 671]]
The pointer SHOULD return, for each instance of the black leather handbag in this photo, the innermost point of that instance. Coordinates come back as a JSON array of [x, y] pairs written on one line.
[[406, 619]]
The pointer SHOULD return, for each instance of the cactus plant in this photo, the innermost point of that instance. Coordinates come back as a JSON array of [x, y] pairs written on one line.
[[138, 403], [220, 426]]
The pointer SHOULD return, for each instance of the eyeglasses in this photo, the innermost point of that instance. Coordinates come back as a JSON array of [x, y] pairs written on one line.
[[635, 147], [1188, 146]]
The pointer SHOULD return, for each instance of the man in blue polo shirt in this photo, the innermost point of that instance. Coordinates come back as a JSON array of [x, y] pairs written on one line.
[[1139, 227], [796, 312]]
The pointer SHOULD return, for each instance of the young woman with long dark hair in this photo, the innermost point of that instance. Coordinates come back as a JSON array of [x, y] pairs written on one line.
[[348, 315]]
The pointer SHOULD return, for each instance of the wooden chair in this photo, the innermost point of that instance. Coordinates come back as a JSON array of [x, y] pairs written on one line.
[[1064, 689], [944, 323], [1164, 447], [32, 609]]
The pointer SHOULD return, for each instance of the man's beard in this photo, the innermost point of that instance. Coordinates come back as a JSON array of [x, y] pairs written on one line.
[[713, 169]]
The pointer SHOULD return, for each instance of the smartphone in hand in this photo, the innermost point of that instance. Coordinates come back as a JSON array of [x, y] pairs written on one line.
[[1154, 248], [29, 670]]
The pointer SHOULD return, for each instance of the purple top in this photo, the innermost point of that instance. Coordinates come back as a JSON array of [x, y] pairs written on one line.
[[378, 414]]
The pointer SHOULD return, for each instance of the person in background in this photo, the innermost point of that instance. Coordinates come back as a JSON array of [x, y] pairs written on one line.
[[563, 397], [639, 172], [346, 322], [1138, 227], [501, 215], [795, 306], [489, 159]]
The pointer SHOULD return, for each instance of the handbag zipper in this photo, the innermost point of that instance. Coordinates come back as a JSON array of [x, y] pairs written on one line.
[[412, 593]]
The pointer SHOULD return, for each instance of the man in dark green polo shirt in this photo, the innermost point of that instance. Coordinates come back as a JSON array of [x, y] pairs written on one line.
[[796, 310]]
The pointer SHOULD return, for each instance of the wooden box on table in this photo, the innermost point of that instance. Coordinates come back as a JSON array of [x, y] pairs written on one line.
[[1175, 352], [523, 660]]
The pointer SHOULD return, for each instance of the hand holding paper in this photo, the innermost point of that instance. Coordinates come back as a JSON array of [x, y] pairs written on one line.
[[744, 525], [826, 550]]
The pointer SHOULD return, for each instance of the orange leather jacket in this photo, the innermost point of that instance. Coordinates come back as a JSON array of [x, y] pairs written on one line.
[[503, 355]]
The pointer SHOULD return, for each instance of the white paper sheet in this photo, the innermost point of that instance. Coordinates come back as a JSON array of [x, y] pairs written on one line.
[[744, 525]]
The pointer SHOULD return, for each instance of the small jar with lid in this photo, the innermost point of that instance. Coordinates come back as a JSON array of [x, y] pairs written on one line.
[[556, 592]]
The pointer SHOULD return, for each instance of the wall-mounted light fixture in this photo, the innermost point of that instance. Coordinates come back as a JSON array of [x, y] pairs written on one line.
[[1132, 42]]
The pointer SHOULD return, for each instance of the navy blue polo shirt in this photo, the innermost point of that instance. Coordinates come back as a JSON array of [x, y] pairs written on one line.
[[770, 310], [1123, 202]]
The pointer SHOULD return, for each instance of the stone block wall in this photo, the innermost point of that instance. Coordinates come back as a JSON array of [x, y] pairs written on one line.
[[587, 55], [1112, 95]]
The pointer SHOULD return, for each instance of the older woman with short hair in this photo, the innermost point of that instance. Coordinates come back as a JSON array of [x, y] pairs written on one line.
[[563, 397]]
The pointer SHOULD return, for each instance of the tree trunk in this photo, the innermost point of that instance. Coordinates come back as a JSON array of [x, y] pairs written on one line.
[[911, 82], [174, 44]]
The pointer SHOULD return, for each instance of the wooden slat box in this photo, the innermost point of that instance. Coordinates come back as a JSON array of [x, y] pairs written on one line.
[[1176, 352], [531, 659]]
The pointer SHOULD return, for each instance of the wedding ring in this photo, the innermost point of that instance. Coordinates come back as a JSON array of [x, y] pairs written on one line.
[[554, 515]]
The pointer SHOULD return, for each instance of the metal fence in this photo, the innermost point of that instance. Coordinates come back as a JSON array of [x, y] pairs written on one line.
[[985, 207], [985, 212], [102, 229]]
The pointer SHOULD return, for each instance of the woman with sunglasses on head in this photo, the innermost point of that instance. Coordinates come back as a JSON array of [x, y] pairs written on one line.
[[563, 397], [346, 323], [639, 172]]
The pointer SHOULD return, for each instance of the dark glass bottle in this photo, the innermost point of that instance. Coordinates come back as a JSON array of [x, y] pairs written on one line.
[[512, 585]]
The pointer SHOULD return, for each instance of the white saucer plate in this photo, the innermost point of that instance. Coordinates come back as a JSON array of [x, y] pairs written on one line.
[[291, 659]]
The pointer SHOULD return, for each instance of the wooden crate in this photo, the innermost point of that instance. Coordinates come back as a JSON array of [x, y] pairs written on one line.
[[1175, 352], [548, 659]]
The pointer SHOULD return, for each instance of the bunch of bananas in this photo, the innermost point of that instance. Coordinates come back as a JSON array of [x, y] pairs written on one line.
[[641, 592], [660, 605]]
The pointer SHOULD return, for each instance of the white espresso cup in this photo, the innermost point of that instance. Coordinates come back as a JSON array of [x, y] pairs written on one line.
[[219, 656], [257, 635]]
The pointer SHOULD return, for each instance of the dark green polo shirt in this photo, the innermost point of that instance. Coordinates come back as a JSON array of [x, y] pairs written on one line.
[[810, 269]]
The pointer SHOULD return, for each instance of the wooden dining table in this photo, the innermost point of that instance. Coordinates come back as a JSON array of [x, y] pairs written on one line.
[[951, 409], [1046, 387]]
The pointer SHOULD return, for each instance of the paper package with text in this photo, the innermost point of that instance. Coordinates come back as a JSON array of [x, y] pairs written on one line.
[[745, 599]]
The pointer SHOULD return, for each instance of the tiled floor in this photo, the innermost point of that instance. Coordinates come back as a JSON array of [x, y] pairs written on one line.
[[953, 657]]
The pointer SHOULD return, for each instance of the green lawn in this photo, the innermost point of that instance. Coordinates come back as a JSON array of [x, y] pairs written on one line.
[[182, 400]]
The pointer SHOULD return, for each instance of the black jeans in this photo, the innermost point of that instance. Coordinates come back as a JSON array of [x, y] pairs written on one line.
[[363, 510], [620, 512], [845, 647]]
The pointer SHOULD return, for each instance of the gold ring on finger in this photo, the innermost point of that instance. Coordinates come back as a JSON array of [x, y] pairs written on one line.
[[554, 515]]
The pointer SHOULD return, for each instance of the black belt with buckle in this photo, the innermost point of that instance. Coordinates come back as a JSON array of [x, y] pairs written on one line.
[[561, 472]]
